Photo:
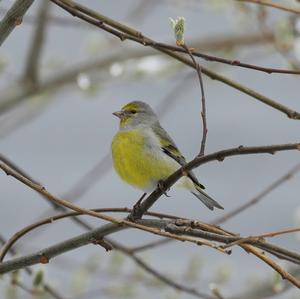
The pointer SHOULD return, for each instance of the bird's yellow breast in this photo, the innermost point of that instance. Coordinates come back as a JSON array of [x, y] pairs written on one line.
[[136, 162]]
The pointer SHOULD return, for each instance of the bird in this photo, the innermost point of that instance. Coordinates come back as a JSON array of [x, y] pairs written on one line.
[[144, 154]]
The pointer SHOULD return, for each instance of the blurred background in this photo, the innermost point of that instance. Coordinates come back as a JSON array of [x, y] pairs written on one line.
[[58, 126]]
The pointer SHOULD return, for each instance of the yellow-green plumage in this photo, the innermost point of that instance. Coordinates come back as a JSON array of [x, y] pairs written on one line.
[[135, 163]]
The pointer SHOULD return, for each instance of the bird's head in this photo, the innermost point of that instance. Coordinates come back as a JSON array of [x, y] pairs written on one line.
[[135, 114]]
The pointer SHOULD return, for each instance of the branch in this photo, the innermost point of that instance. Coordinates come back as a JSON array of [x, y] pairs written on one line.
[[17, 95], [179, 30], [127, 251], [150, 225], [196, 162], [266, 288], [271, 248], [272, 4], [130, 254], [248, 248], [150, 200], [10, 243], [53, 20], [287, 176], [13, 18], [258, 197], [32, 62], [49, 289], [167, 226], [150, 245], [209, 232], [177, 286], [118, 222], [104, 165], [262, 236], [125, 32], [180, 226], [203, 112], [176, 225]]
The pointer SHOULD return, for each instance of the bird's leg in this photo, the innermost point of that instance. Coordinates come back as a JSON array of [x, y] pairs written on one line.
[[160, 185], [137, 204]]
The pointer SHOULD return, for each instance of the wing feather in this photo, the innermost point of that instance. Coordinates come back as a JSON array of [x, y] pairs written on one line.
[[169, 147]]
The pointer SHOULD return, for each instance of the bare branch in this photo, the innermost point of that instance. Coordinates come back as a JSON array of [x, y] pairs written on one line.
[[180, 226], [203, 112], [13, 18], [125, 32], [32, 62], [150, 245], [10, 243], [196, 162], [287, 176], [49, 289], [272, 4], [266, 289], [262, 236], [118, 224], [17, 94], [177, 286]]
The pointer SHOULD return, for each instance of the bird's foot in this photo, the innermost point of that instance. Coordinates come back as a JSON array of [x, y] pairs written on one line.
[[161, 187]]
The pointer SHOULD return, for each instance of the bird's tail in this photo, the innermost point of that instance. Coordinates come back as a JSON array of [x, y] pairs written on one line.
[[205, 198]]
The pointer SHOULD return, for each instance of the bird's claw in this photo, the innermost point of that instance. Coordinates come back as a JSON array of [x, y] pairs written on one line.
[[161, 187]]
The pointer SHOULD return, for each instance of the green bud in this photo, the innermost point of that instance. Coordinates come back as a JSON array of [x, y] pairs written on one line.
[[178, 26]]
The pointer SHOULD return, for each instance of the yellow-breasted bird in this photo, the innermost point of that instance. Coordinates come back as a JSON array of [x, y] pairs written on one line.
[[144, 154]]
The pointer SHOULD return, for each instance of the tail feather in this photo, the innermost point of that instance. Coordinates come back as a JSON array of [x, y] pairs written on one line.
[[206, 199]]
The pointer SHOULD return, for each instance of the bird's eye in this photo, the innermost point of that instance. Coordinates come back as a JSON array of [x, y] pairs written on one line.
[[133, 111]]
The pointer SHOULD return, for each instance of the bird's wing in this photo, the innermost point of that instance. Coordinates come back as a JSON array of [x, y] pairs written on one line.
[[169, 147]]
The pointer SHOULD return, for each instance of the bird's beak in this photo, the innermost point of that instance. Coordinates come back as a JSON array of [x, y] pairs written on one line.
[[119, 114]]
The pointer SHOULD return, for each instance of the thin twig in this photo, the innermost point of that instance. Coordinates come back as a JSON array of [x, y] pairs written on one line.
[[155, 194], [104, 165], [203, 112], [125, 32], [196, 162], [262, 236], [266, 288], [247, 247], [91, 237], [31, 70], [53, 20], [272, 4], [131, 34], [287, 176], [10, 243], [127, 251], [230, 62], [49, 289], [117, 221], [177, 286], [177, 227], [268, 247], [150, 245], [44, 257]]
